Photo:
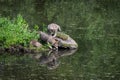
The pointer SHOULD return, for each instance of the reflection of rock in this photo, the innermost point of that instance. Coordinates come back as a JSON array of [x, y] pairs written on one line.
[[36, 56], [61, 39], [62, 53], [51, 60]]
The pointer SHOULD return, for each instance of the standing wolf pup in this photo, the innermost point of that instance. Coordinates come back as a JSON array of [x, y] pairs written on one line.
[[53, 29]]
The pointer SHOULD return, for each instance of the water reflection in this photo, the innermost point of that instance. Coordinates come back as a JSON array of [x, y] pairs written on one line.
[[51, 60], [33, 66]]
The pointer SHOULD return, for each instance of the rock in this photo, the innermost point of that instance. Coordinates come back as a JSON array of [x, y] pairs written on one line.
[[66, 41], [43, 36], [61, 40], [35, 43], [62, 35], [52, 60], [69, 43], [48, 38]]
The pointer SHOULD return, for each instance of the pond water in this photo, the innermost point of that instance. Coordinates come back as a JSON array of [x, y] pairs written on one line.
[[93, 24]]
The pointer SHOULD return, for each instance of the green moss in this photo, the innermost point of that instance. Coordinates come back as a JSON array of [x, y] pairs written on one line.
[[68, 45], [62, 35]]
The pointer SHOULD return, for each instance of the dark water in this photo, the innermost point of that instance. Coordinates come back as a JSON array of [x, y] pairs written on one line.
[[93, 24]]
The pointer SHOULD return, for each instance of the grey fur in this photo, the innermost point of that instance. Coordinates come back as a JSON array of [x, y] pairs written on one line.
[[53, 29]]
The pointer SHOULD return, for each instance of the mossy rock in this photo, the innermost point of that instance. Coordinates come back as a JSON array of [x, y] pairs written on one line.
[[69, 43], [62, 35]]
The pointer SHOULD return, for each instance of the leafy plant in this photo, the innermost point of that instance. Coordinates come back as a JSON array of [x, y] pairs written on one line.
[[15, 32]]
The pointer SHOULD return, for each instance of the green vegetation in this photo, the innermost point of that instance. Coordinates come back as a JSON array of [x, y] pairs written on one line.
[[15, 32]]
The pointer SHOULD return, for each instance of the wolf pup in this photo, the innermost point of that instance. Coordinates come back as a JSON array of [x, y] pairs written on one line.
[[53, 29]]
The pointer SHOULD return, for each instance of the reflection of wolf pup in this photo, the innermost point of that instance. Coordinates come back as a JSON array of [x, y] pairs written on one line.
[[53, 29]]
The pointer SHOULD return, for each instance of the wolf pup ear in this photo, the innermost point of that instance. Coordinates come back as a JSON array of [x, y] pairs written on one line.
[[59, 28]]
